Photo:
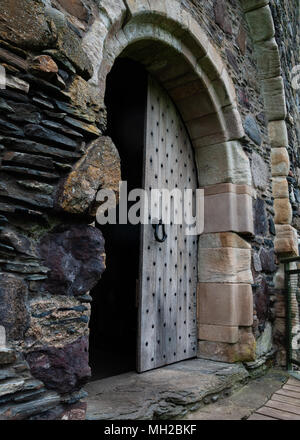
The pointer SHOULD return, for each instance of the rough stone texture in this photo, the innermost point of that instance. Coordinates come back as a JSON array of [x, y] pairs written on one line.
[[48, 119], [14, 313], [55, 320], [43, 65], [224, 265], [283, 211], [25, 25], [260, 172], [164, 393], [274, 97], [267, 258], [225, 304], [278, 134], [262, 302], [62, 369], [250, 5], [267, 56], [221, 17], [286, 241], [2, 336], [260, 218], [98, 168], [261, 24], [75, 257], [280, 188], [280, 162]]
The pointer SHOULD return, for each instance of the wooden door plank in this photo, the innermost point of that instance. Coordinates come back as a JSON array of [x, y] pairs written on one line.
[[167, 315]]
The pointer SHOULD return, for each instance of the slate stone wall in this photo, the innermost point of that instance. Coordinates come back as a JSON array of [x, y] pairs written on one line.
[[51, 144]]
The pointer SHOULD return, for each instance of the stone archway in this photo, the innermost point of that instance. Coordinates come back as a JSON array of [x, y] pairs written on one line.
[[172, 46]]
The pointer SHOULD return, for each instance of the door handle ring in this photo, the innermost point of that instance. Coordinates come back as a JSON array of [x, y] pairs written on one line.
[[156, 232]]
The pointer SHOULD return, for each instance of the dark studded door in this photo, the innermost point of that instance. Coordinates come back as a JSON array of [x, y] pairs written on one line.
[[167, 330]]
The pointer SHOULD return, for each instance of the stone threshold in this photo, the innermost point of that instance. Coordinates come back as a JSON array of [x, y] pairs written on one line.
[[165, 393]]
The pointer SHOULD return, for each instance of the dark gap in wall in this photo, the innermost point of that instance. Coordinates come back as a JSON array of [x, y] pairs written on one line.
[[113, 325]]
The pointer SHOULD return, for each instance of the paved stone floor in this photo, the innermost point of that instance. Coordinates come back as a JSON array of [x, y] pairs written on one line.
[[164, 393], [195, 390], [244, 403], [283, 405]]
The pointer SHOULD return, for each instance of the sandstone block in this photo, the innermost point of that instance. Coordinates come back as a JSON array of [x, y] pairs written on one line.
[[242, 351], [225, 162], [278, 134], [267, 56], [218, 333], [283, 211], [249, 5], [225, 265], [274, 97], [222, 239], [280, 162], [280, 188], [261, 24], [225, 304], [286, 240], [264, 342]]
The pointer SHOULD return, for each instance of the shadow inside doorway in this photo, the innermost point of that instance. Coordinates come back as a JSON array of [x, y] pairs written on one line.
[[113, 324]]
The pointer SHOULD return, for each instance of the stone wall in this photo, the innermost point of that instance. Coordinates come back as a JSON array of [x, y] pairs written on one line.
[[55, 156], [53, 160]]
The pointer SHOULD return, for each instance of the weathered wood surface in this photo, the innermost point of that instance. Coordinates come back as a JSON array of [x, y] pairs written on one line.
[[283, 405]]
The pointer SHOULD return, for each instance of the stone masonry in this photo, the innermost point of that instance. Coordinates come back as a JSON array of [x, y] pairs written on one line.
[[56, 155]]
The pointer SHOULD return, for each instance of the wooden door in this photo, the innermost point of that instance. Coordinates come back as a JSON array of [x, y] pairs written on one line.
[[167, 329]]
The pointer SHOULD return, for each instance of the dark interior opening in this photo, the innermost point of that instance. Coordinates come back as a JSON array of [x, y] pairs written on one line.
[[113, 324]]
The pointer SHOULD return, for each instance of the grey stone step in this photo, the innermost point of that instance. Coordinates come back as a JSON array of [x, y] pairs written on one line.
[[164, 393]]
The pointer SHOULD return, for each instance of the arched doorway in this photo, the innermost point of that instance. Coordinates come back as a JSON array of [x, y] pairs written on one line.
[[146, 277], [113, 325], [178, 54]]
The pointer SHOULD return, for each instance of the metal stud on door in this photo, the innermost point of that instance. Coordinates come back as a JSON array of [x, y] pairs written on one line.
[[167, 330]]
